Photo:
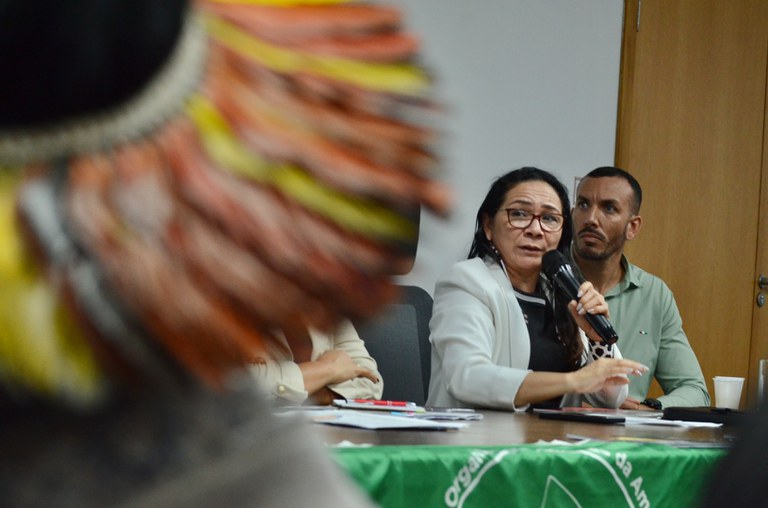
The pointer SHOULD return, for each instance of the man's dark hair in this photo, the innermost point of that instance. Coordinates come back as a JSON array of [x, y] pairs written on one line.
[[606, 171]]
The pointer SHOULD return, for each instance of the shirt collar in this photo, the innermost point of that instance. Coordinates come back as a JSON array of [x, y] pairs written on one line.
[[501, 276], [631, 279]]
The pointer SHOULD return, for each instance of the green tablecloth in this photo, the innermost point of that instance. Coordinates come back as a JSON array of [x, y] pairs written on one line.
[[536, 475]]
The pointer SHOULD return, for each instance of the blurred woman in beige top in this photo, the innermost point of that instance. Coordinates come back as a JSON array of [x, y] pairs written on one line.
[[335, 365]]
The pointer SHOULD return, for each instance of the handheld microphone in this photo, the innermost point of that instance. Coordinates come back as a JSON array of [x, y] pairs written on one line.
[[557, 268]]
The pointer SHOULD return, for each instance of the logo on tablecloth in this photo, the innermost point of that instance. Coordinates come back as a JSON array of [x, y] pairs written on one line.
[[610, 478], [468, 477]]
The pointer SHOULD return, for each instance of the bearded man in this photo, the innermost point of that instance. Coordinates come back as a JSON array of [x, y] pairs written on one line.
[[606, 215]]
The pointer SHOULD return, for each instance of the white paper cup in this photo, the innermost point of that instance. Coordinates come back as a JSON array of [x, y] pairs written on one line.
[[728, 391]]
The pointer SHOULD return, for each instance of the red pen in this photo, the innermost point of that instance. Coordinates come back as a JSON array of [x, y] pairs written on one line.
[[373, 402]]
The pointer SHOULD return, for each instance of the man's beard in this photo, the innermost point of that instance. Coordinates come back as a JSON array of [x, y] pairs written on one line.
[[592, 254]]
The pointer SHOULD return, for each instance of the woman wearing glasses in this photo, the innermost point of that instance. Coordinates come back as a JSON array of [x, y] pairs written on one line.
[[502, 335]]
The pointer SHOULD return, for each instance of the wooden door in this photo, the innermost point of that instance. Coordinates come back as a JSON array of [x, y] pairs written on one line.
[[760, 317], [691, 127]]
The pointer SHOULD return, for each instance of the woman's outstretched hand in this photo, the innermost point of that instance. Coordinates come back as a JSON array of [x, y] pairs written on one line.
[[604, 373]]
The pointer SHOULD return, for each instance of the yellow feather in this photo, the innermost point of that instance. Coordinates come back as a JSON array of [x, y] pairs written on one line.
[[383, 77], [40, 347], [354, 214]]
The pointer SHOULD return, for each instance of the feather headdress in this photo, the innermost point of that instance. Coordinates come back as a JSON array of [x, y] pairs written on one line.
[[269, 176]]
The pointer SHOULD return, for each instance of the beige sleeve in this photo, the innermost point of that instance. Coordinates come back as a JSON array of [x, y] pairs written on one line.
[[346, 339]]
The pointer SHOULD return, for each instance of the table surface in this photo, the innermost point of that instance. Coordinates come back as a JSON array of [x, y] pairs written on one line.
[[492, 462], [499, 428]]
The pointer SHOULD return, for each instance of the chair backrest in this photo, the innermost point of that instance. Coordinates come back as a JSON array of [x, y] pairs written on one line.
[[398, 340]]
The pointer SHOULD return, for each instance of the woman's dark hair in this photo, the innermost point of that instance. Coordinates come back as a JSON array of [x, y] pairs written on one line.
[[482, 247]]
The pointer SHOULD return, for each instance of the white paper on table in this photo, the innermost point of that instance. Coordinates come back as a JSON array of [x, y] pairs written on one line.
[[631, 420], [447, 415], [376, 421]]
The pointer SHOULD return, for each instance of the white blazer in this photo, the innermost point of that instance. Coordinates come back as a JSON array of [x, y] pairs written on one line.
[[480, 343]]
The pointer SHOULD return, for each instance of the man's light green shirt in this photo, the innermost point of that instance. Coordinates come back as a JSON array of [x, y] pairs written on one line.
[[645, 315]]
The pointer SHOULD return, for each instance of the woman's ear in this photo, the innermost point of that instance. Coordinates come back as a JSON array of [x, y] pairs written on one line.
[[487, 228]]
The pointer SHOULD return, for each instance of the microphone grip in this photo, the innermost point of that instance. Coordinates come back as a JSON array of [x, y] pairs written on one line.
[[570, 287], [603, 328]]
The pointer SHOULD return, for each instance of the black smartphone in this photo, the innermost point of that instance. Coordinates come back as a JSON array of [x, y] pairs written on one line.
[[580, 417]]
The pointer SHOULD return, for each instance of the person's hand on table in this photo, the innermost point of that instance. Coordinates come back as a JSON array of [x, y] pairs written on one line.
[[331, 368], [604, 373], [631, 403], [343, 368]]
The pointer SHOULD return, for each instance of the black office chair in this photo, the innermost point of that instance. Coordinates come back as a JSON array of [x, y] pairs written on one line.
[[398, 340]]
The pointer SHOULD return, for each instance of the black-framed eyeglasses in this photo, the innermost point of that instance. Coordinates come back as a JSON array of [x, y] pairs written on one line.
[[549, 221]]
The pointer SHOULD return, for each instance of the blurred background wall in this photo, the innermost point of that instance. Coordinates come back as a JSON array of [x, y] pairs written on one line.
[[527, 82]]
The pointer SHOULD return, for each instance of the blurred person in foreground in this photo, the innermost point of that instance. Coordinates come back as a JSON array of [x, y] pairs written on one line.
[[606, 215], [741, 478], [186, 188], [505, 337]]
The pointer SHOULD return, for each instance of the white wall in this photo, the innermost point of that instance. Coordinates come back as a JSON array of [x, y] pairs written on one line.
[[528, 82]]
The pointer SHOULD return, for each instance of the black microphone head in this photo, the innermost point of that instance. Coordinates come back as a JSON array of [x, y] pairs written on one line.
[[552, 262]]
